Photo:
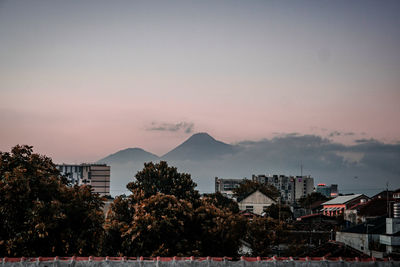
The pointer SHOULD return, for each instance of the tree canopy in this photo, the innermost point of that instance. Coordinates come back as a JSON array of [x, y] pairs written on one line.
[[306, 201], [247, 187], [165, 216], [222, 202], [40, 214], [161, 178]]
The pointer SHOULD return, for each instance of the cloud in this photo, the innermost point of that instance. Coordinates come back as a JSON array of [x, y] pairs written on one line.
[[366, 141], [186, 127], [334, 133], [337, 133]]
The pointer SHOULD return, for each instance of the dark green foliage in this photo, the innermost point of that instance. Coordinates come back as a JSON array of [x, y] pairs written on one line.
[[279, 213], [306, 201], [160, 178], [222, 202], [40, 215], [164, 216], [247, 187], [218, 231], [264, 234]]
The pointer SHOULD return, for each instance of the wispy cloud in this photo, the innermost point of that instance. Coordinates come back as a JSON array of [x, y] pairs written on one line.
[[337, 133], [186, 127]]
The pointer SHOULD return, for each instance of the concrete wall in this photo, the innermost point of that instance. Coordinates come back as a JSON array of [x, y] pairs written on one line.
[[357, 241]]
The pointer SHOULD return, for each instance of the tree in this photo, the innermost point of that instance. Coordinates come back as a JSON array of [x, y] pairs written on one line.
[[160, 178], [306, 201], [279, 213], [222, 202], [165, 216], [247, 187], [160, 227], [40, 214], [218, 231]]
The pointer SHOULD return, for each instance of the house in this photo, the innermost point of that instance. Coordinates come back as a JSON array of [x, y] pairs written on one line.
[[340, 204], [363, 211], [256, 202], [364, 237], [379, 237]]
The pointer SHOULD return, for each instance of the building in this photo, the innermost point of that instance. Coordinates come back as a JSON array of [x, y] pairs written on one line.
[[364, 237], [328, 191], [284, 184], [379, 237], [256, 202], [95, 175], [291, 188], [226, 186], [303, 186], [340, 204]]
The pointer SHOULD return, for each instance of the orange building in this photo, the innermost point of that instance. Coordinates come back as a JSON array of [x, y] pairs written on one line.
[[338, 205]]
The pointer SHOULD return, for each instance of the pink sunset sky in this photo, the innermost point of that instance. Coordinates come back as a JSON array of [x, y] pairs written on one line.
[[82, 79]]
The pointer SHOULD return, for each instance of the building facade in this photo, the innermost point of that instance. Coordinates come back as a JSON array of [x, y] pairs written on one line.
[[339, 205], [328, 191], [226, 186], [95, 175], [256, 203], [291, 188]]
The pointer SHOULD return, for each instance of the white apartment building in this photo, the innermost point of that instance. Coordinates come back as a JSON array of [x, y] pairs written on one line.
[[291, 188], [95, 175]]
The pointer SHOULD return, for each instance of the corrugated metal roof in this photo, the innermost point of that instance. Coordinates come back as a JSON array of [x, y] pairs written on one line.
[[341, 199]]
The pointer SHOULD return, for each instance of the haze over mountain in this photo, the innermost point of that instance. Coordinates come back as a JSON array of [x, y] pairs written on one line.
[[364, 167]]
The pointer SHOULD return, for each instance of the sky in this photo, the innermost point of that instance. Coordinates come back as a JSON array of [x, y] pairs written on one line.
[[83, 79]]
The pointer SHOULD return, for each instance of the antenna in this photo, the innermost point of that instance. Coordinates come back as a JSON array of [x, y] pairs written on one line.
[[301, 168]]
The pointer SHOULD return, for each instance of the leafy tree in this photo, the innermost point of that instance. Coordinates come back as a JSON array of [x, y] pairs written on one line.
[[247, 187], [40, 214], [306, 201], [279, 213], [164, 216], [218, 230], [160, 227], [261, 236], [160, 178], [222, 202]]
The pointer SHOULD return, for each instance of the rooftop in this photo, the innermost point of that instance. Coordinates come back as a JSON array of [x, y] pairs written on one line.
[[342, 199]]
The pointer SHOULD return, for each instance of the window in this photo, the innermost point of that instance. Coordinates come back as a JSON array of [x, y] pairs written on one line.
[[249, 208]]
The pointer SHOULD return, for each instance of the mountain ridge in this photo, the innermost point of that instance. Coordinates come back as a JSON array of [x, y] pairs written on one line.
[[128, 155]]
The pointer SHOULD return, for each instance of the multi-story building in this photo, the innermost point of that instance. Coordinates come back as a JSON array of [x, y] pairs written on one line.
[[328, 191], [303, 185], [291, 188], [284, 184], [95, 175], [226, 186]]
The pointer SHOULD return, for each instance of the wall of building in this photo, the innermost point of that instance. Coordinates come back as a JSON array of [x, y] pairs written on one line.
[[95, 175], [357, 241], [257, 201]]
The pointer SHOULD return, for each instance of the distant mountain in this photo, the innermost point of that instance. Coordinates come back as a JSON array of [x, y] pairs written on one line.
[[129, 155], [200, 146]]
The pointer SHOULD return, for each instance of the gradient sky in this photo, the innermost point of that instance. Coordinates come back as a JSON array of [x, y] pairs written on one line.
[[82, 79]]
